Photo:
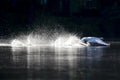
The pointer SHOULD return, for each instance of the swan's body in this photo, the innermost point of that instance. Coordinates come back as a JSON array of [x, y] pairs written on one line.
[[94, 41]]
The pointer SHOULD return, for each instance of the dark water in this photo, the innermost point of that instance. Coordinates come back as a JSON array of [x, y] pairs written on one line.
[[90, 63]]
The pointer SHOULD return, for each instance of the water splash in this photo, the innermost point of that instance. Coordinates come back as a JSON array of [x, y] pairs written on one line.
[[68, 41], [48, 38]]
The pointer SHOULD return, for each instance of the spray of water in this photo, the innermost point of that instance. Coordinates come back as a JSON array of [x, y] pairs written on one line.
[[44, 37]]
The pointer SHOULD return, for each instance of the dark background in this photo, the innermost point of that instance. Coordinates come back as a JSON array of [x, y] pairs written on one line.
[[87, 17]]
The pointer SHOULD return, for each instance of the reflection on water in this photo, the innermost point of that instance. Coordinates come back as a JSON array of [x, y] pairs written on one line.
[[48, 63], [61, 63]]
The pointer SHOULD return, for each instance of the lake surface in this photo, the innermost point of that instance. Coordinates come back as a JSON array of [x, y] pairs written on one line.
[[45, 63]]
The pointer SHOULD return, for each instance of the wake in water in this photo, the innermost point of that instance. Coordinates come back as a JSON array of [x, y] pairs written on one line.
[[54, 40], [37, 40]]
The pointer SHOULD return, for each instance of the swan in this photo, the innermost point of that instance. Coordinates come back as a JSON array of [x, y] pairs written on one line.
[[94, 41]]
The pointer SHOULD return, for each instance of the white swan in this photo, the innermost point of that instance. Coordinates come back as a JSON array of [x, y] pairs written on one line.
[[94, 41]]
